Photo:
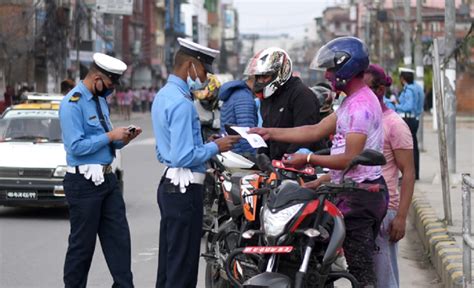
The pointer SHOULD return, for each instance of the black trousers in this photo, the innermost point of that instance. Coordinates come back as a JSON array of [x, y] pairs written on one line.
[[413, 125], [363, 214], [96, 210], [180, 235]]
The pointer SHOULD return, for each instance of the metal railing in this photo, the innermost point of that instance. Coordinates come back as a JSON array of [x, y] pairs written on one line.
[[468, 243]]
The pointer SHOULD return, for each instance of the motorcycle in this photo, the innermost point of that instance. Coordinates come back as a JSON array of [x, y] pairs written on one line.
[[237, 209], [302, 234], [223, 212]]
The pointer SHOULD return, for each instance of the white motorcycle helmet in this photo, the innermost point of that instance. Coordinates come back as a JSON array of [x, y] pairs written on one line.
[[233, 160], [271, 61]]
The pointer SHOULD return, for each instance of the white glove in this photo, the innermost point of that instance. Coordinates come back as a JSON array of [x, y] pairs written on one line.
[[94, 172], [181, 177]]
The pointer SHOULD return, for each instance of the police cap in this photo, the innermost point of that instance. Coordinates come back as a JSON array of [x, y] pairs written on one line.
[[109, 66], [406, 70], [204, 54]]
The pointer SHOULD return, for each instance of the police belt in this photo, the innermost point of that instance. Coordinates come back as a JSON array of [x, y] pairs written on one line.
[[171, 188], [406, 115], [106, 169]]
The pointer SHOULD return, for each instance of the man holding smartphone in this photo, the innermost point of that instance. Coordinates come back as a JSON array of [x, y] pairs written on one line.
[[95, 201]]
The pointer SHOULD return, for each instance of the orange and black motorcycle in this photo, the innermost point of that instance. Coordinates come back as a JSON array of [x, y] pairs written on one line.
[[238, 197]]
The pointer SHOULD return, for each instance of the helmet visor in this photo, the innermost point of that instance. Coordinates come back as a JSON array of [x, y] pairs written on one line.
[[324, 59], [257, 66]]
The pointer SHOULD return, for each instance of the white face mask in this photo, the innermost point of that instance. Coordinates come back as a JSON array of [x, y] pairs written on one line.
[[194, 84]]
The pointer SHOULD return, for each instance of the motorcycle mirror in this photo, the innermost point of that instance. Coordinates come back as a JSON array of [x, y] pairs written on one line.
[[368, 157], [325, 151], [264, 163], [311, 233]]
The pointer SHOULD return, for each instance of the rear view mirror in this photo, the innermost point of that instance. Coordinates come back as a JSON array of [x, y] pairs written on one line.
[[264, 163], [368, 157], [325, 151]]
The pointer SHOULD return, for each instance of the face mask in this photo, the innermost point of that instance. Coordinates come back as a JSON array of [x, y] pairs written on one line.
[[104, 92], [194, 84]]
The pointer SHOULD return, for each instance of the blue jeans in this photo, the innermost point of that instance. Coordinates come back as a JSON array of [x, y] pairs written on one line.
[[385, 258]]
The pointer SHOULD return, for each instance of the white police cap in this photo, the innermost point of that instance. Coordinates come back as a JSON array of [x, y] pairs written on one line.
[[110, 66], [405, 70], [202, 53]]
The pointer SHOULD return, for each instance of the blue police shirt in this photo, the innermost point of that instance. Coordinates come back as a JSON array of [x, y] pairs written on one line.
[[420, 99], [85, 140], [408, 100], [388, 103], [177, 128]]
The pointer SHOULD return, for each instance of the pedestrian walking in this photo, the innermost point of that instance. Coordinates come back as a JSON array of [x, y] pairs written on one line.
[[144, 99], [95, 201], [179, 146], [398, 151], [127, 103]]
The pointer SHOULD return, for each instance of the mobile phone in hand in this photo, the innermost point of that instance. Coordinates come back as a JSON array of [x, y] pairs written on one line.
[[229, 130], [132, 129]]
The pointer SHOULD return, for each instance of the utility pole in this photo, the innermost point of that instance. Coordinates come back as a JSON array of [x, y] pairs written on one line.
[[78, 40], [419, 66], [449, 83], [406, 35]]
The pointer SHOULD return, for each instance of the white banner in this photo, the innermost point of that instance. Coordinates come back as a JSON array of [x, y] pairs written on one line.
[[122, 7]]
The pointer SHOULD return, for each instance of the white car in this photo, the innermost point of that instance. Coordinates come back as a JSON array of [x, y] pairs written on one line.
[[33, 161]]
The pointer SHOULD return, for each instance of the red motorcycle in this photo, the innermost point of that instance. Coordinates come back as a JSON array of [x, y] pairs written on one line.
[[301, 234]]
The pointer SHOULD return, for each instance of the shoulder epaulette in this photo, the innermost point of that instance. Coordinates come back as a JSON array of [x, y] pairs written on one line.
[[75, 97]]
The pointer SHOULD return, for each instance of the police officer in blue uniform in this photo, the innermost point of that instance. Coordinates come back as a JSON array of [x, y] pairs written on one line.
[[96, 205], [410, 106], [179, 146]]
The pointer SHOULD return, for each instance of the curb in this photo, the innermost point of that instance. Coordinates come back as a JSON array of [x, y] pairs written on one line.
[[442, 249]]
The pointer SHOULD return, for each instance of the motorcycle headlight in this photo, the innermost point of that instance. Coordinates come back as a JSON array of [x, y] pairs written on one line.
[[274, 223], [60, 172]]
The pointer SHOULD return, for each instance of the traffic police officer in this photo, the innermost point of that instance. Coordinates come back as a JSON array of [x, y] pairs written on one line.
[[179, 146], [410, 106], [96, 205]]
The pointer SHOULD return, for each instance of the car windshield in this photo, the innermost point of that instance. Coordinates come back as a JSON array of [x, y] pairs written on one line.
[[37, 129]]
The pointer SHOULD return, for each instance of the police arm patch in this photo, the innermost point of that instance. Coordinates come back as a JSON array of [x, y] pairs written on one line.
[[75, 97]]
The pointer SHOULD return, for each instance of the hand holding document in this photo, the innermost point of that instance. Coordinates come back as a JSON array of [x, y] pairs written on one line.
[[255, 140]]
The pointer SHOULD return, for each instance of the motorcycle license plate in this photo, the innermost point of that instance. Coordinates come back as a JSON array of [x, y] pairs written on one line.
[[268, 249]]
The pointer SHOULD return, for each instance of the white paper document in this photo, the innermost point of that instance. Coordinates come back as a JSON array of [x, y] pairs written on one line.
[[255, 140]]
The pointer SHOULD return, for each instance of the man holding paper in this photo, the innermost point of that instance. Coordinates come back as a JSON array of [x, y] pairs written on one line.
[[179, 146]]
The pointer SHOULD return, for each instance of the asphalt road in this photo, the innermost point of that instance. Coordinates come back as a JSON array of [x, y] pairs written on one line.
[[33, 241]]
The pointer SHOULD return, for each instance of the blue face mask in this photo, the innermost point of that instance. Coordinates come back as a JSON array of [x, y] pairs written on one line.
[[194, 84]]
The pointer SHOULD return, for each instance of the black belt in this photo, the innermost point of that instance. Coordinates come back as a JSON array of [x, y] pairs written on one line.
[[170, 187]]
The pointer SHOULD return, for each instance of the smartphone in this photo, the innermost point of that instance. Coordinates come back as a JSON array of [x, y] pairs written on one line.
[[131, 129], [229, 130]]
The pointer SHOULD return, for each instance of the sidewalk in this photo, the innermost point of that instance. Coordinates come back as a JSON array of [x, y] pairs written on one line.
[[442, 243]]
